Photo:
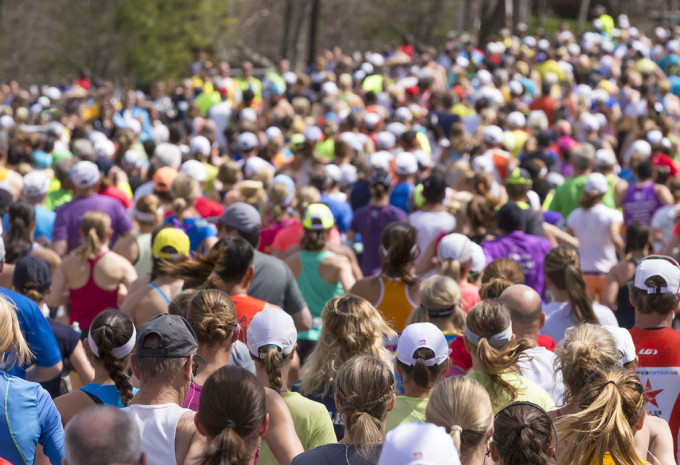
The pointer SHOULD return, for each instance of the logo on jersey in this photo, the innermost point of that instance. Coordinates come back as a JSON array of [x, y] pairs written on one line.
[[650, 396], [648, 352]]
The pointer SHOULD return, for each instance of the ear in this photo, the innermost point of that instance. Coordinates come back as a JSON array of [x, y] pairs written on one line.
[[338, 405], [489, 434], [264, 426], [293, 353], [542, 323], [513, 339], [250, 274], [142, 461], [551, 451], [199, 426], [189, 367], [133, 359], [390, 406], [494, 452]]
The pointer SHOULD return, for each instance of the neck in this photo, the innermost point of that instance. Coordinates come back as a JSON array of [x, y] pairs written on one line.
[[236, 289], [215, 355], [433, 207], [640, 253], [101, 374], [379, 202], [146, 228], [654, 320], [474, 456], [559, 295], [411, 389], [530, 334], [157, 393], [444, 324]]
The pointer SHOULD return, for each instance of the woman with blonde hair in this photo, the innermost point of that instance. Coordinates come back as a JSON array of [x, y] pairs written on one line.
[[364, 389], [136, 247], [92, 276], [461, 406], [185, 190], [277, 214], [495, 353], [350, 326], [498, 276], [572, 305], [603, 432], [440, 305], [22, 400]]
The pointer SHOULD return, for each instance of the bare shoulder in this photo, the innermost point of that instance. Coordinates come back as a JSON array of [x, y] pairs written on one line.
[[138, 284], [69, 405], [364, 286]]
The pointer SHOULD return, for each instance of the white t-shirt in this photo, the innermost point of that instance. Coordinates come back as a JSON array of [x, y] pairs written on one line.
[[539, 368], [664, 221], [597, 251], [430, 225], [558, 318]]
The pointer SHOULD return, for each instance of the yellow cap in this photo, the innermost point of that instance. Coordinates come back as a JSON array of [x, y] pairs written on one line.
[[318, 217], [171, 237]]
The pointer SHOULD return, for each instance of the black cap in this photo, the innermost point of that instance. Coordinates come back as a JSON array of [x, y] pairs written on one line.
[[177, 337], [434, 188], [32, 273], [511, 218], [381, 177]]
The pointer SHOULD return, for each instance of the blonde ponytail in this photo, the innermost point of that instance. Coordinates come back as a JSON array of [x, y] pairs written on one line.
[[13, 345], [95, 228]]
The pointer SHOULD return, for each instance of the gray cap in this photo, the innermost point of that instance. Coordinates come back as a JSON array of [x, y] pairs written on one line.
[[242, 217], [177, 337]]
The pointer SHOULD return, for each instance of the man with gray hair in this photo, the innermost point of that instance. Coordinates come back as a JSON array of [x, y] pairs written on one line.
[[527, 317], [567, 196], [103, 435]]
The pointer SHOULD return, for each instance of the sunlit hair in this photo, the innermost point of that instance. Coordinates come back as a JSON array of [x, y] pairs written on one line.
[[185, 190], [438, 293], [486, 319], [212, 316], [364, 387], [149, 206], [95, 227], [585, 349], [523, 434], [498, 276], [562, 267], [351, 326], [12, 342], [612, 404], [461, 406]]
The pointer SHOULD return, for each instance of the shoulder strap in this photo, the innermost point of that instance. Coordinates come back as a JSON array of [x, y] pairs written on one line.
[[160, 293], [94, 398]]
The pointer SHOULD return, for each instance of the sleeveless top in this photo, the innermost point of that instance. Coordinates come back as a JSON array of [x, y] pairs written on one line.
[[625, 313], [246, 308], [158, 425], [160, 293], [394, 301], [143, 263], [106, 394], [90, 300], [314, 289], [639, 204], [193, 397]]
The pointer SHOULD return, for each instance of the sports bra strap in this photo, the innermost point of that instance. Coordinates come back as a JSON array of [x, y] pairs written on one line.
[[94, 398]]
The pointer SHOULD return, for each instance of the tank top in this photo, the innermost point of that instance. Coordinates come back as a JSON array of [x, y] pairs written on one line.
[[158, 425], [394, 302], [106, 394], [639, 204], [193, 397], [90, 300], [160, 293], [246, 308], [314, 289], [143, 263], [625, 313]]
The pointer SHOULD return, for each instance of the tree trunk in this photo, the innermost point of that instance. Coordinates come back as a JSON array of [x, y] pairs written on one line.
[[583, 15], [492, 19], [541, 12], [430, 21], [313, 26], [287, 26]]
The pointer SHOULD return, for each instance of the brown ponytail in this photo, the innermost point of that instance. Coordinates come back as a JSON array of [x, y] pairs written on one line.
[[398, 239], [523, 434], [562, 266], [424, 376], [231, 409], [95, 227], [111, 329], [272, 365], [498, 276]]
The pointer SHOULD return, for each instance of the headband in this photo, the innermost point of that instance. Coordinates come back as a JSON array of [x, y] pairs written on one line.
[[146, 217], [118, 352], [497, 340], [441, 312]]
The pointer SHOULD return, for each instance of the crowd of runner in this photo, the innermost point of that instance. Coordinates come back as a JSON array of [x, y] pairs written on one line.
[[449, 256]]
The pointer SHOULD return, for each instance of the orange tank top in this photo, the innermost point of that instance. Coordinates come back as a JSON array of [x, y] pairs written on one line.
[[394, 302], [246, 308]]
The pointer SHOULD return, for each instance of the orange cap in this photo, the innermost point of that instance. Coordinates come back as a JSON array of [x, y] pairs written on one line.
[[163, 178]]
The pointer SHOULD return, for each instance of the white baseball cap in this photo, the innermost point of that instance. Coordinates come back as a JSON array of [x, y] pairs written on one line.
[[454, 246], [248, 114], [380, 159], [35, 185], [639, 146], [255, 164], [424, 158], [271, 327], [273, 132], [372, 120], [658, 265], [605, 157], [655, 136], [200, 144], [418, 444], [385, 140], [493, 135], [194, 169], [405, 163], [624, 342], [589, 122], [166, 154], [403, 114], [104, 148], [422, 336], [478, 258], [246, 142], [132, 159], [516, 118], [334, 172], [596, 183], [84, 174], [313, 133], [396, 128]]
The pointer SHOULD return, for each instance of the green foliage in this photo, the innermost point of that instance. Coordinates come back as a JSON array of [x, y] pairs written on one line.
[[158, 36]]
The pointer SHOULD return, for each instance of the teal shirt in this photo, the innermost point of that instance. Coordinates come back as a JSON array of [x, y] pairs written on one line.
[[314, 289]]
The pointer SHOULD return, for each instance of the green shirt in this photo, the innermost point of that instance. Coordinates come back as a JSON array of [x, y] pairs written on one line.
[[567, 196], [312, 424], [406, 410], [57, 198], [527, 390]]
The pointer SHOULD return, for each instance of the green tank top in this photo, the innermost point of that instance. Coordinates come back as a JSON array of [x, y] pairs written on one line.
[[143, 263], [314, 289]]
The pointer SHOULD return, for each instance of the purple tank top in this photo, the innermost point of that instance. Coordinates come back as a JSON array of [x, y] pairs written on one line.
[[639, 204]]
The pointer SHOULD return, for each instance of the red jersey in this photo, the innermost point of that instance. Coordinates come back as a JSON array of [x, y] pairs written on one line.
[[659, 371], [246, 308], [208, 208]]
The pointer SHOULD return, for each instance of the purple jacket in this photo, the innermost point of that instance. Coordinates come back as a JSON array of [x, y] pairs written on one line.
[[527, 250]]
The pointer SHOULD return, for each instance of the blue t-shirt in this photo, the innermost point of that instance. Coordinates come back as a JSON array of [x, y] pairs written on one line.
[[36, 330], [44, 223], [342, 212], [29, 418], [401, 196], [198, 230]]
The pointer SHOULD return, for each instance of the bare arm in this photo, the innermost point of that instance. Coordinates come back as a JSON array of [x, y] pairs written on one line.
[[611, 290], [670, 245], [615, 236], [660, 442], [281, 437], [425, 262], [663, 194], [346, 277], [189, 443], [125, 247], [58, 295], [302, 319], [81, 364], [39, 374], [60, 247]]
